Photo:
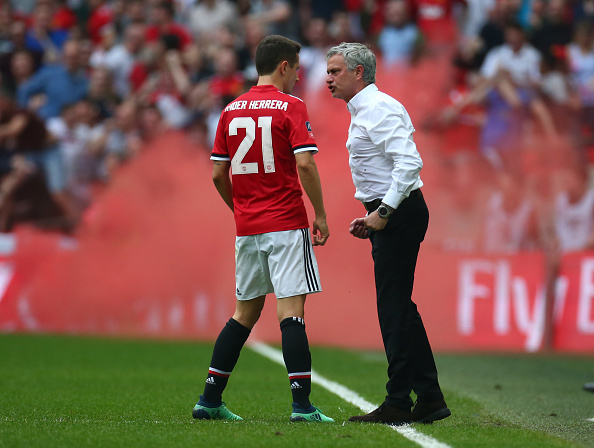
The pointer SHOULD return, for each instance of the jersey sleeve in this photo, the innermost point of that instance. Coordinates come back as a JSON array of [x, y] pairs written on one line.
[[301, 135], [220, 151]]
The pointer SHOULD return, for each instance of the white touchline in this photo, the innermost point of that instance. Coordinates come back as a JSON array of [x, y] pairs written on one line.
[[350, 396]]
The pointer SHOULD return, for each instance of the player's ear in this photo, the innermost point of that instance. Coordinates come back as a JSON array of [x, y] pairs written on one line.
[[283, 67]]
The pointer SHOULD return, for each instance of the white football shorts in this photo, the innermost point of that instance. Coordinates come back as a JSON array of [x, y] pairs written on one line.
[[283, 263]]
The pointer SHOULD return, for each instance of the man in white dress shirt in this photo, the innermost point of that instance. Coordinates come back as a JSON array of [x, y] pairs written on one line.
[[385, 165]]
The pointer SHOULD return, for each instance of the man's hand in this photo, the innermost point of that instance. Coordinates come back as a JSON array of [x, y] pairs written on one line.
[[320, 232], [374, 222], [358, 229]]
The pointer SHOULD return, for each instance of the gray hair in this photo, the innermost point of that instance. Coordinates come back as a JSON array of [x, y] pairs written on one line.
[[356, 54]]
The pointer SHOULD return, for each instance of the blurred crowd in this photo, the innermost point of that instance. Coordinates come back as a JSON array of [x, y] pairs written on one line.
[[84, 85], [515, 129]]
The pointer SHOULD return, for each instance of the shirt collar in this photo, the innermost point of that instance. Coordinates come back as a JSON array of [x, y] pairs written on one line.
[[265, 88], [359, 99]]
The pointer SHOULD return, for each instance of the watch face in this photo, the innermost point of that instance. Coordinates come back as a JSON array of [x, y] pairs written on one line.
[[382, 211]]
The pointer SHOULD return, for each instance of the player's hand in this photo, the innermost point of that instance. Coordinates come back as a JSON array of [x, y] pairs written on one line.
[[320, 232], [374, 222], [358, 229]]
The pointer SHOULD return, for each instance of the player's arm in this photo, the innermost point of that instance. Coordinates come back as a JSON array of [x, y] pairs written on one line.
[[222, 180], [310, 179]]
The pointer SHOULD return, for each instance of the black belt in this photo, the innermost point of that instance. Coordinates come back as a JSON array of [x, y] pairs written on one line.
[[372, 205]]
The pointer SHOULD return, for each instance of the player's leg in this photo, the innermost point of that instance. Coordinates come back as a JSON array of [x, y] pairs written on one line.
[[297, 358], [290, 311], [252, 285], [294, 274], [225, 354]]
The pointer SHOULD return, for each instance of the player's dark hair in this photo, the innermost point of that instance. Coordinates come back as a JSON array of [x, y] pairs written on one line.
[[273, 50]]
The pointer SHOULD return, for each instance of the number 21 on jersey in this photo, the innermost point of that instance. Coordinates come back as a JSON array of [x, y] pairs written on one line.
[[248, 123]]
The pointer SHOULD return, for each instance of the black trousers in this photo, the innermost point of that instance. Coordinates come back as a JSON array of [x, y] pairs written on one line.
[[411, 366]]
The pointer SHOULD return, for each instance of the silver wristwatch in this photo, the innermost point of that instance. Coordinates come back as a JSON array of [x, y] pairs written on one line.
[[384, 211]]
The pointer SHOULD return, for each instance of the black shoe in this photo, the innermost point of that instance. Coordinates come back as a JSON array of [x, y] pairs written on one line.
[[385, 414], [430, 411], [589, 387]]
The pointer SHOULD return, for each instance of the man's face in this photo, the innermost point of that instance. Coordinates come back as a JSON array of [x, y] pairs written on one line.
[[292, 77], [514, 38], [341, 82]]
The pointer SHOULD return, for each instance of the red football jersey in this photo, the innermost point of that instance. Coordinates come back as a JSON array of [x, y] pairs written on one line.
[[260, 132]]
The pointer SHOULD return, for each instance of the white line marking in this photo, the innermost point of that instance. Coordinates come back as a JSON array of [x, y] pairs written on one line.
[[590, 419], [350, 396]]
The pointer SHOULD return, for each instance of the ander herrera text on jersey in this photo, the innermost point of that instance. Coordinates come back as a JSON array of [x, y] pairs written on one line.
[[260, 133]]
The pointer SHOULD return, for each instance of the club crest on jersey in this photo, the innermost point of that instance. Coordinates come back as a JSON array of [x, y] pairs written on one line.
[[309, 131]]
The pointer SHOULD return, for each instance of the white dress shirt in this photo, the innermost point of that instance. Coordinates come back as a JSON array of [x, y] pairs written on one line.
[[383, 157]]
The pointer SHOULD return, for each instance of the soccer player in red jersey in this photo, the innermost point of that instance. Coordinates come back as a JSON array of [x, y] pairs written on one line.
[[263, 147]]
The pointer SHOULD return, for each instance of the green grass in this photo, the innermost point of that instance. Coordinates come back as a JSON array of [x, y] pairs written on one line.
[[58, 391]]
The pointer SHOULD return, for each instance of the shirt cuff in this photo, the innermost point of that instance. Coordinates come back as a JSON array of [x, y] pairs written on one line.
[[393, 198]]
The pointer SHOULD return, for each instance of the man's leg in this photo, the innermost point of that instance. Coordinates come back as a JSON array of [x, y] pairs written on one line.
[[224, 357], [290, 311], [296, 354]]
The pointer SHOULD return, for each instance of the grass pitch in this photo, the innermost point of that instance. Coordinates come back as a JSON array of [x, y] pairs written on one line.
[[58, 391]]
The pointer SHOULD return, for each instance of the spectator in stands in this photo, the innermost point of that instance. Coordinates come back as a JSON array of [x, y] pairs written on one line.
[[101, 15], [26, 149], [532, 14], [342, 28], [17, 44], [227, 83], [583, 11], [134, 12], [254, 32], [85, 51], [63, 18], [574, 214], [102, 92], [510, 82], [399, 41], [118, 140], [121, 58], [108, 41], [208, 15], [312, 58], [164, 27], [476, 16], [471, 53], [164, 84], [60, 84], [42, 37], [22, 68], [580, 55], [195, 64], [436, 20], [6, 19], [554, 33], [72, 135], [146, 69], [273, 15], [150, 123], [510, 221]]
